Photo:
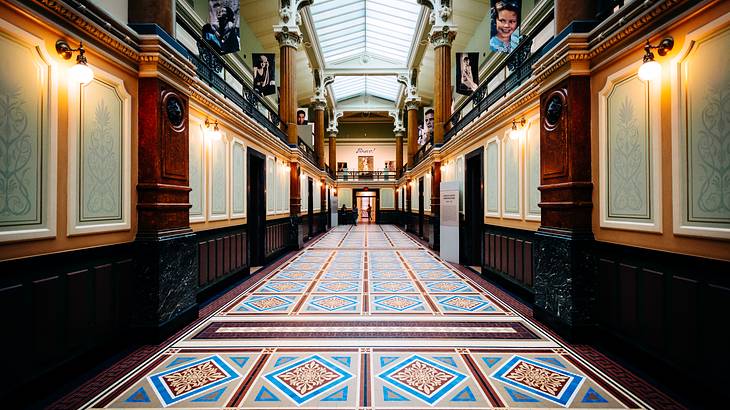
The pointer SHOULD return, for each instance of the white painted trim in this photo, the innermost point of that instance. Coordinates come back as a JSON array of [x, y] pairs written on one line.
[[74, 227], [678, 205], [197, 122], [503, 177], [498, 213], [533, 121], [237, 140], [48, 226], [654, 224], [209, 191]]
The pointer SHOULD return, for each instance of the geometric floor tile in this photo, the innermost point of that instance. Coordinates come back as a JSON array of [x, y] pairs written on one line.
[[267, 304], [354, 274], [307, 378], [192, 378], [332, 303], [338, 287], [389, 274], [291, 274], [448, 287], [464, 303], [398, 303], [436, 274], [283, 287], [425, 379], [557, 385], [392, 287]]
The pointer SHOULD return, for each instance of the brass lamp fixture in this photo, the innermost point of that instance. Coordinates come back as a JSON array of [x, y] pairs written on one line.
[[517, 130], [213, 134], [651, 70], [80, 72]]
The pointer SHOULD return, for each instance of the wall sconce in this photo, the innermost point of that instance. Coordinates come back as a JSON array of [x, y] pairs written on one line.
[[81, 72], [651, 70], [212, 134], [518, 129]]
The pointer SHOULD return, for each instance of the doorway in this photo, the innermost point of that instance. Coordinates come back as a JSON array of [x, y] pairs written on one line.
[[420, 207], [473, 209], [367, 206], [256, 211]]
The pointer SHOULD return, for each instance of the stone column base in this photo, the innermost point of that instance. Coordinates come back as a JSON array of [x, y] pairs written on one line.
[[165, 285], [565, 280]]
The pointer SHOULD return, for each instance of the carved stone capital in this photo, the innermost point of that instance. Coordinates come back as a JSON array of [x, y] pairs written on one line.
[[413, 104], [399, 131], [287, 37], [319, 104], [332, 132], [442, 36]]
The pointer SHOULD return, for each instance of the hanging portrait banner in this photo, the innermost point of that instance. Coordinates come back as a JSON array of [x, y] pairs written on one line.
[[505, 30], [264, 81], [467, 73], [223, 29]]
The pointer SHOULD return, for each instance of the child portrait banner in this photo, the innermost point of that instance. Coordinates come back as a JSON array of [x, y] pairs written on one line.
[[505, 33]]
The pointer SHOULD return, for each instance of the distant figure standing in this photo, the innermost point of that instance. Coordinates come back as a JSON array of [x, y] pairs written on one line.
[[370, 213], [354, 214]]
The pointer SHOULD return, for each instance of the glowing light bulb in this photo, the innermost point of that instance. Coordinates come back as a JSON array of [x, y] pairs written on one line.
[[81, 73], [650, 70]]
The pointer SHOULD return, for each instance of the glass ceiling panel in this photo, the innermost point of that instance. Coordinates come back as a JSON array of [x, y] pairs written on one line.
[[338, 22], [383, 86]]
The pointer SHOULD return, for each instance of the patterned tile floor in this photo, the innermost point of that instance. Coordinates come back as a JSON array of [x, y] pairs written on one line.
[[366, 318]]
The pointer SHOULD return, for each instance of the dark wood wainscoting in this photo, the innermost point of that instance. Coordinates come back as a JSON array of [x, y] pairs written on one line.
[[668, 309], [221, 253], [57, 308], [277, 237], [304, 223], [510, 254], [388, 216]]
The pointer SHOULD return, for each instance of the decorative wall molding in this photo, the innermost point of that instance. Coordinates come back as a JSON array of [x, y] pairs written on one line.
[[493, 177], [198, 171], [702, 210], [238, 180], [218, 179], [515, 181], [532, 176], [622, 208], [30, 217], [91, 152]]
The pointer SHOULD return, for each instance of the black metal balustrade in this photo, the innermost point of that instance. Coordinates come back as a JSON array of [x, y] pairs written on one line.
[[308, 152], [366, 175], [209, 66], [519, 63], [423, 151]]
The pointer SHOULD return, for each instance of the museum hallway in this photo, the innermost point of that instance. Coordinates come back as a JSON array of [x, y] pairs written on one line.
[[366, 317]]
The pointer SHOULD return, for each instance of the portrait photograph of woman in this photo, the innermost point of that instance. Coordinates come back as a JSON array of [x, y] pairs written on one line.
[[467, 72], [263, 73], [505, 33], [223, 28]]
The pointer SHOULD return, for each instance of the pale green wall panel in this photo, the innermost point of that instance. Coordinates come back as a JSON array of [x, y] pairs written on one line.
[[218, 178], [492, 177], [101, 144], [533, 168], [238, 183], [707, 143], [195, 165], [629, 150], [512, 176], [387, 198], [23, 138]]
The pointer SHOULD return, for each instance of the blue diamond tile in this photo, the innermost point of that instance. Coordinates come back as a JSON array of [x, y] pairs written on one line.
[[568, 383], [290, 379], [425, 379], [214, 368]]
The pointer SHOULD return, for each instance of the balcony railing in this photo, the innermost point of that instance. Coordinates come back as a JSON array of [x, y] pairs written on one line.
[[210, 65], [366, 175], [423, 151], [519, 63], [308, 152]]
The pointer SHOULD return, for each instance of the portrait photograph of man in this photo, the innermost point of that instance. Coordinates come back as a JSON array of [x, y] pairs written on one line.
[[302, 116], [425, 130], [223, 28], [505, 33], [263, 73], [467, 73]]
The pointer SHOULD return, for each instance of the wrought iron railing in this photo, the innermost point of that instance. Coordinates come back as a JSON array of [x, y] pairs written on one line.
[[209, 65], [308, 152], [366, 175], [403, 170], [423, 151], [519, 63]]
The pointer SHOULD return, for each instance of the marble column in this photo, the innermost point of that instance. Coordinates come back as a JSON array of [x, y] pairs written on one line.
[[319, 107], [160, 12], [332, 132], [566, 11], [399, 132], [412, 110], [288, 43], [441, 41]]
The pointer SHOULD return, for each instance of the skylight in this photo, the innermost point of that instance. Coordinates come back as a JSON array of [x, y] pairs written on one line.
[[382, 86], [352, 28]]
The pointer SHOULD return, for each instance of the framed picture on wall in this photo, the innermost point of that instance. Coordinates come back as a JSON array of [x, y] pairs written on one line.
[[365, 163], [341, 166]]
